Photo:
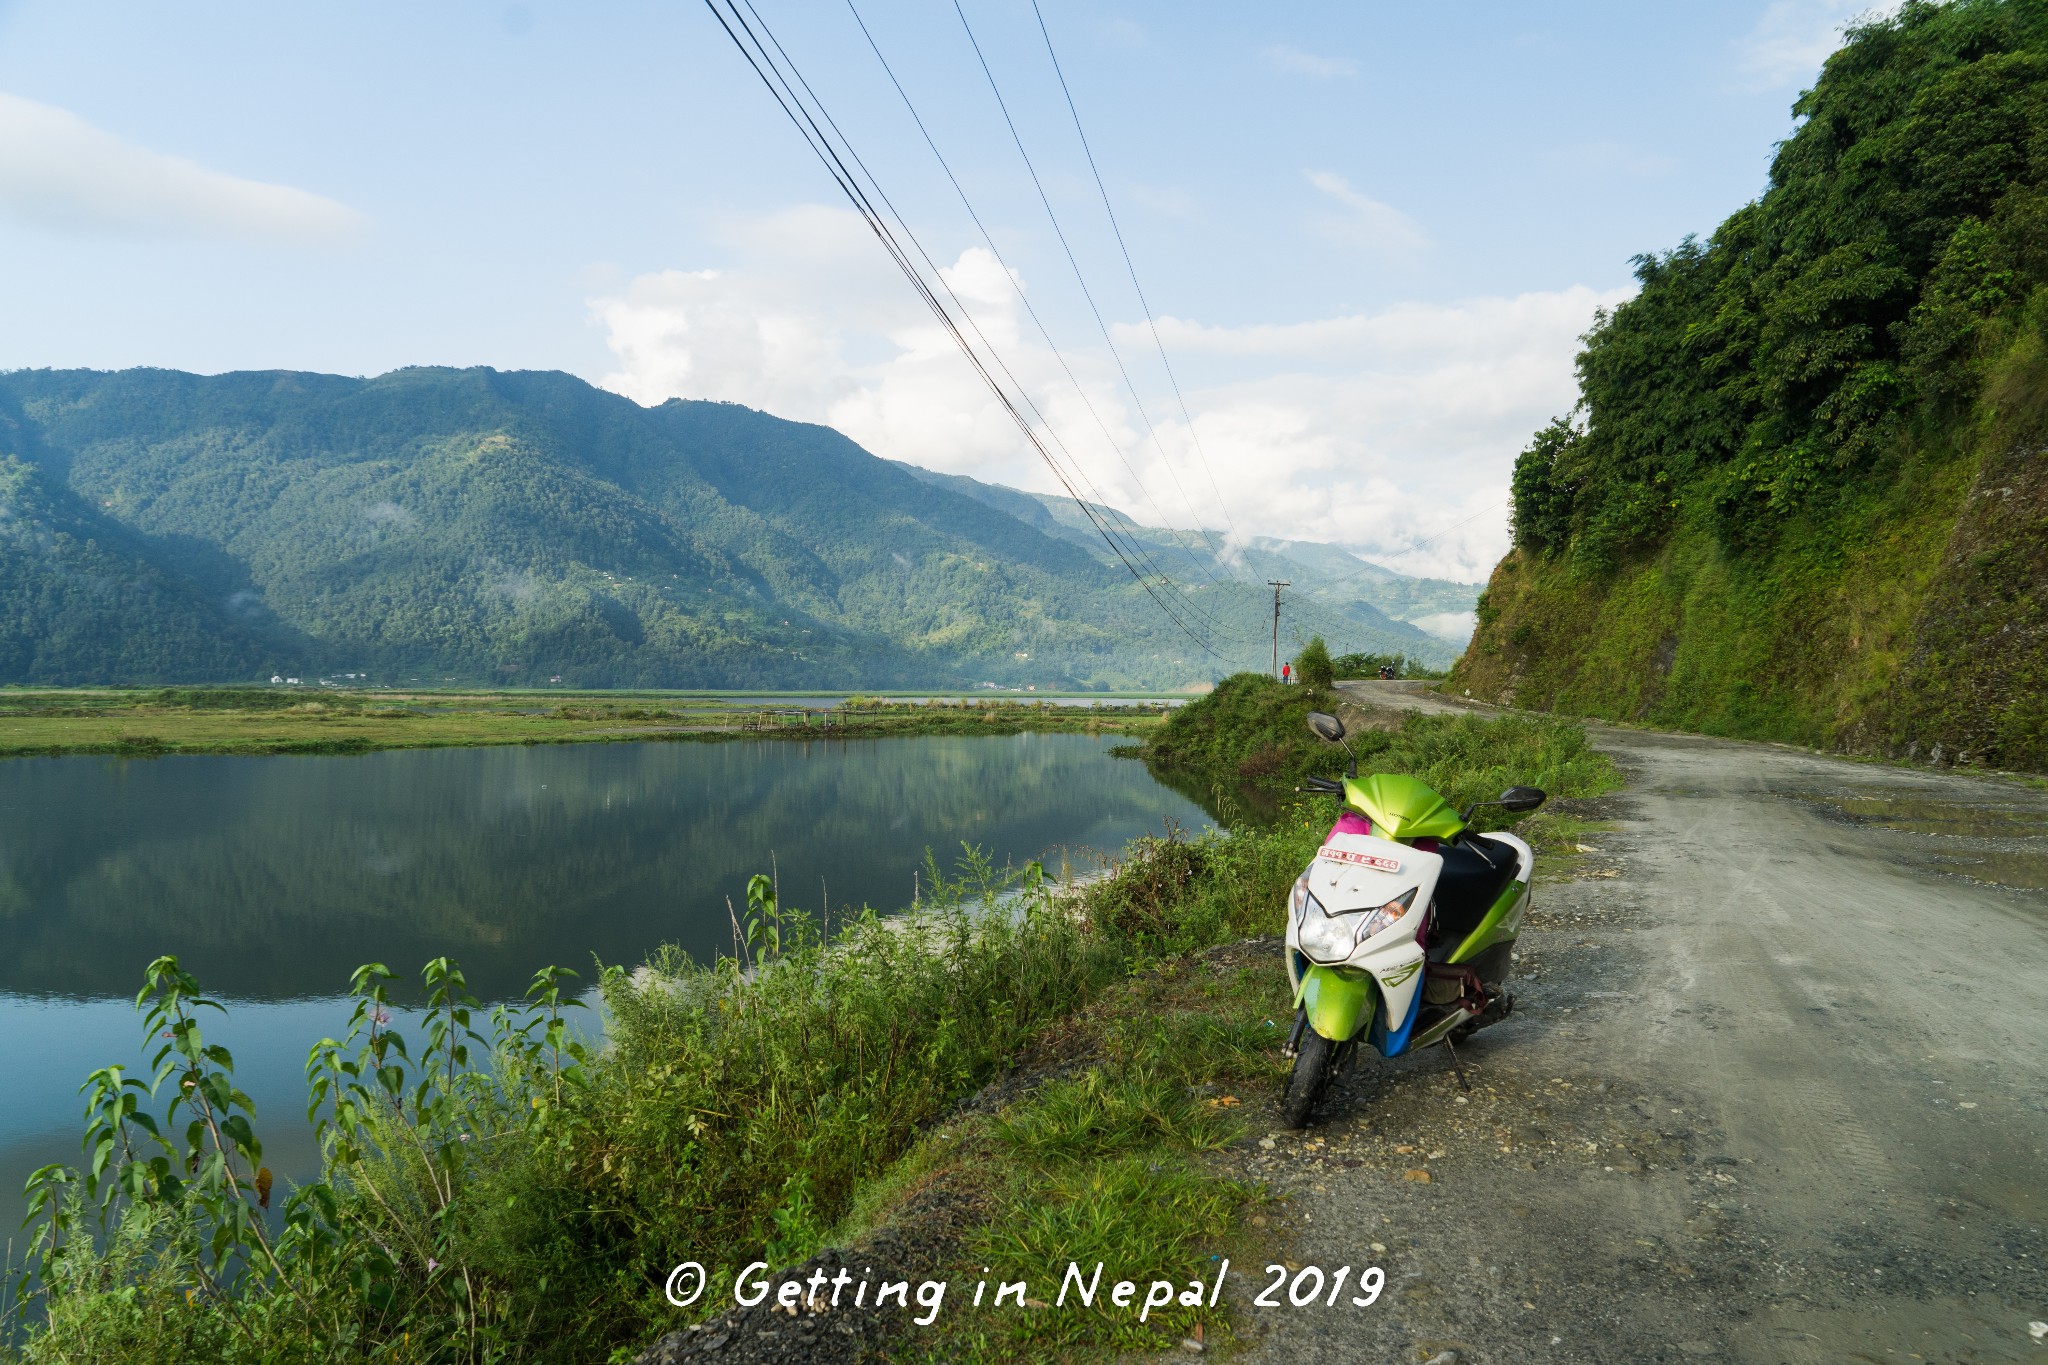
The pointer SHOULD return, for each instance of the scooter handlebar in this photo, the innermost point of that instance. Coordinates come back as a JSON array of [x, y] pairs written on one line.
[[1322, 784]]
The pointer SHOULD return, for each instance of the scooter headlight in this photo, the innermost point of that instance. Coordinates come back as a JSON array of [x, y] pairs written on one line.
[[1386, 916], [1303, 898]]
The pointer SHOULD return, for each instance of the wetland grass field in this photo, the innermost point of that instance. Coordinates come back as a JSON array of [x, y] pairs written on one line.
[[251, 720]]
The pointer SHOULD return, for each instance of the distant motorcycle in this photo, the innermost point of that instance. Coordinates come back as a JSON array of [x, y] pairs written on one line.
[[1401, 933], [1386, 672]]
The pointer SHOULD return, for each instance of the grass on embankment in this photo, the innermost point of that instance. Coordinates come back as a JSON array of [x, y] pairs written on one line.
[[530, 1206], [1252, 732], [256, 721]]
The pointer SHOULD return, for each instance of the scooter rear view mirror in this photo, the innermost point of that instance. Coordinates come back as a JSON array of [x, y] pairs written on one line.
[[1330, 728]]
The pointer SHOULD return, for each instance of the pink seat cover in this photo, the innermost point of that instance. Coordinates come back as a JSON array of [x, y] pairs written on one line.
[[1350, 822]]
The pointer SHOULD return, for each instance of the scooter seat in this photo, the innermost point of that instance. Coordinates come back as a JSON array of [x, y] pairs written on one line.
[[1475, 870]]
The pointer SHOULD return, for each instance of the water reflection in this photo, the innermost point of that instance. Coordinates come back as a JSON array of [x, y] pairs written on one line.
[[272, 878]]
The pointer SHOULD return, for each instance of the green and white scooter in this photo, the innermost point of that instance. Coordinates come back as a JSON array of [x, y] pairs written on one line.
[[1401, 933]]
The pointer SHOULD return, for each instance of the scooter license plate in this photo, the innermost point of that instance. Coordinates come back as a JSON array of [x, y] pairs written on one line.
[[1371, 860]]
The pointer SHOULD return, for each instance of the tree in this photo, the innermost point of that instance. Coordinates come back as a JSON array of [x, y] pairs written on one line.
[[1313, 667]]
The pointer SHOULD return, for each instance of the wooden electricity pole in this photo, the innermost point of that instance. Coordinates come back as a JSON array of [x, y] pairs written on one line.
[[1276, 584]]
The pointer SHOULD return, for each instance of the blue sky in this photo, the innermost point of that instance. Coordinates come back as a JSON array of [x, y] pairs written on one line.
[[1374, 229]]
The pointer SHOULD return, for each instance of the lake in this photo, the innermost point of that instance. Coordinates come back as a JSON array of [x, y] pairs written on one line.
[[272, 878]]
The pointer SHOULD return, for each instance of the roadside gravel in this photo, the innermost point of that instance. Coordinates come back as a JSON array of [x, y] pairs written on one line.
[[1774, 1091]]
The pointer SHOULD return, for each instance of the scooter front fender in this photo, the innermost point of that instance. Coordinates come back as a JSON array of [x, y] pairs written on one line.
[[1339, 1001]]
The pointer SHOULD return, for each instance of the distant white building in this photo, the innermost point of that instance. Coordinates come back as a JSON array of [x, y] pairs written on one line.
[[276, 678]]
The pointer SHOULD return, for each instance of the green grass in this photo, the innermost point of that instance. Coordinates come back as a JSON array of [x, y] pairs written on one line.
[[1252, 730], [771, 1107], [1105, 1160], [256, 721]]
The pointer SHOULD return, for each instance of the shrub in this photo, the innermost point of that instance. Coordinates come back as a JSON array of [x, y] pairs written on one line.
[[1312, 667]]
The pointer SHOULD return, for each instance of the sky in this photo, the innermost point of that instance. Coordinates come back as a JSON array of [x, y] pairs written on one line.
[[1368, 234]]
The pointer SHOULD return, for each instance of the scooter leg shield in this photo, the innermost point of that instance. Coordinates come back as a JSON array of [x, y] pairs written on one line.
[[1338, 1001]]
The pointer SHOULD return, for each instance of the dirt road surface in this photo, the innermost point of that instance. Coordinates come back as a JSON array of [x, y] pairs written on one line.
[[1776, 1090]]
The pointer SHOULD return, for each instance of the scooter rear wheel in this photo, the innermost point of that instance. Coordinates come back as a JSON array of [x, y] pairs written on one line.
[[1313, 1063]]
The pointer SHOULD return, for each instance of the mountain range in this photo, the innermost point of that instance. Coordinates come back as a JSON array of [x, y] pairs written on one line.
[[437, 526]]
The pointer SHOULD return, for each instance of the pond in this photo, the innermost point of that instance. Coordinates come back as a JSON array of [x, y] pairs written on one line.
[[272, 878]]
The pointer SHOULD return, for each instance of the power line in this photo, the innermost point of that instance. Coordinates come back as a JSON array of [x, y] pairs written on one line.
[[780, 89], [1079, 277], [1193, 435], [1136, 545], [1130, 542]]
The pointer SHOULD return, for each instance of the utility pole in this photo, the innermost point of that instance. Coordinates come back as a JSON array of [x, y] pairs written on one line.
[[1276, 584]]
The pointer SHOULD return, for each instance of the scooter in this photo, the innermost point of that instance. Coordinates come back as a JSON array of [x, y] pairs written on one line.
[[1401, 933]]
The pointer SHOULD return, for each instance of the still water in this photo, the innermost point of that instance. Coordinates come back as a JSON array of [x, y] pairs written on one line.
[[272, 878]]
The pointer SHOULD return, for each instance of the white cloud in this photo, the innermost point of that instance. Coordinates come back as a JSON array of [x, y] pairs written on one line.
[[1293, 59], [1373, 430], [58, 171], [1455, 626], [1794, 37], [1366, 224], [815, 325], [1381, 430]]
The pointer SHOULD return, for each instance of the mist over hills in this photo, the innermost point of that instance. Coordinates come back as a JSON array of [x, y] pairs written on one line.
[[437, 525], [1369, 596]]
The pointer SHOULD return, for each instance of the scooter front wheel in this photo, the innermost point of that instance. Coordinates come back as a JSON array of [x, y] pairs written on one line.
[[1313, 1062]]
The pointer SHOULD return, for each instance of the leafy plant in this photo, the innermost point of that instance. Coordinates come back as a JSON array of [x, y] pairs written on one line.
[[199, 1166], [1312, 667]]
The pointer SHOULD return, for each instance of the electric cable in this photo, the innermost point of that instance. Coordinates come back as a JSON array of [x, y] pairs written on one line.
[[1079, 277], [801, 118], [1151, 322], [1132, 544], [988, 239]]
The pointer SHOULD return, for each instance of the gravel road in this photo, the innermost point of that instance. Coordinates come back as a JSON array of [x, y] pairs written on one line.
[[1776, 1091]]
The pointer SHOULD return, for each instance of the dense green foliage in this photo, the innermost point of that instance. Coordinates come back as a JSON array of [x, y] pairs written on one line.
[[1313, 668], [81, 599], [1767, 516], [1760, 372], [1252, 727]]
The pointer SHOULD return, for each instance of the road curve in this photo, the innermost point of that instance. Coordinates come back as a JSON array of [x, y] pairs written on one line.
[[1777, 1091]]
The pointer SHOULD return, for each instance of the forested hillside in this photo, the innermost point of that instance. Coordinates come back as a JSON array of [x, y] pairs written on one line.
[[437, 525], [1804, 496], [1375, 609]]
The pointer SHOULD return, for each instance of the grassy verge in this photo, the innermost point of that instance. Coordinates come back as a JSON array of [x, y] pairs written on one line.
[[1251, 734], [235, 721], [1002, 1091]]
